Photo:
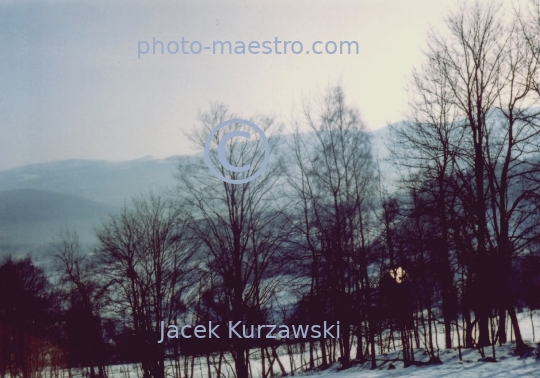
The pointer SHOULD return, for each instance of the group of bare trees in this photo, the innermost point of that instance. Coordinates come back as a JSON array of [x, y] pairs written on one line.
[[241, 228], [332, 179], [145, 259], [450, 246], [472, 151]]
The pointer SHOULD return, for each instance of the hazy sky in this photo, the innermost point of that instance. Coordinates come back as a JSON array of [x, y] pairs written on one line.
[[72, 85]]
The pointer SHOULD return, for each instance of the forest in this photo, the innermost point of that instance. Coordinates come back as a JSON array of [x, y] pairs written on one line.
[[442, 236]]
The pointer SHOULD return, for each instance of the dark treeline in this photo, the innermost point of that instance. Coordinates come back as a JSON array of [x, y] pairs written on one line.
[[442, 238]]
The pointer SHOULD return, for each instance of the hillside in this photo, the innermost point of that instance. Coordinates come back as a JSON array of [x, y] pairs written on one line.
[[37, 200], [29, 218], [110, 183]]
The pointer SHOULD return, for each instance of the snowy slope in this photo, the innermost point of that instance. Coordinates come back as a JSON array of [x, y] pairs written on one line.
[[508, 365]]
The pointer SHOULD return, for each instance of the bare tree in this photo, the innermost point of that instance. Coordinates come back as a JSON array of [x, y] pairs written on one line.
[[83, 296], [476, 134], [529, 21], [332, 176], [426, 147], [240, 225], [145, 256]]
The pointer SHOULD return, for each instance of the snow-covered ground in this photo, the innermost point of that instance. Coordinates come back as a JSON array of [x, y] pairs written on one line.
[[508, 364]]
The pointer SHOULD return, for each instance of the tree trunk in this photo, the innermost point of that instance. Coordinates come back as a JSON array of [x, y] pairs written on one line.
[[520, 345]]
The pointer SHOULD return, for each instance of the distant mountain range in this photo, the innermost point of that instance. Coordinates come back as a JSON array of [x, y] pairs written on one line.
[[29, 218], [38, 200], [106, 182]]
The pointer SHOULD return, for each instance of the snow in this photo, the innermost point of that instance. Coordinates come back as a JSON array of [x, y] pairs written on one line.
[[508, 364]]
